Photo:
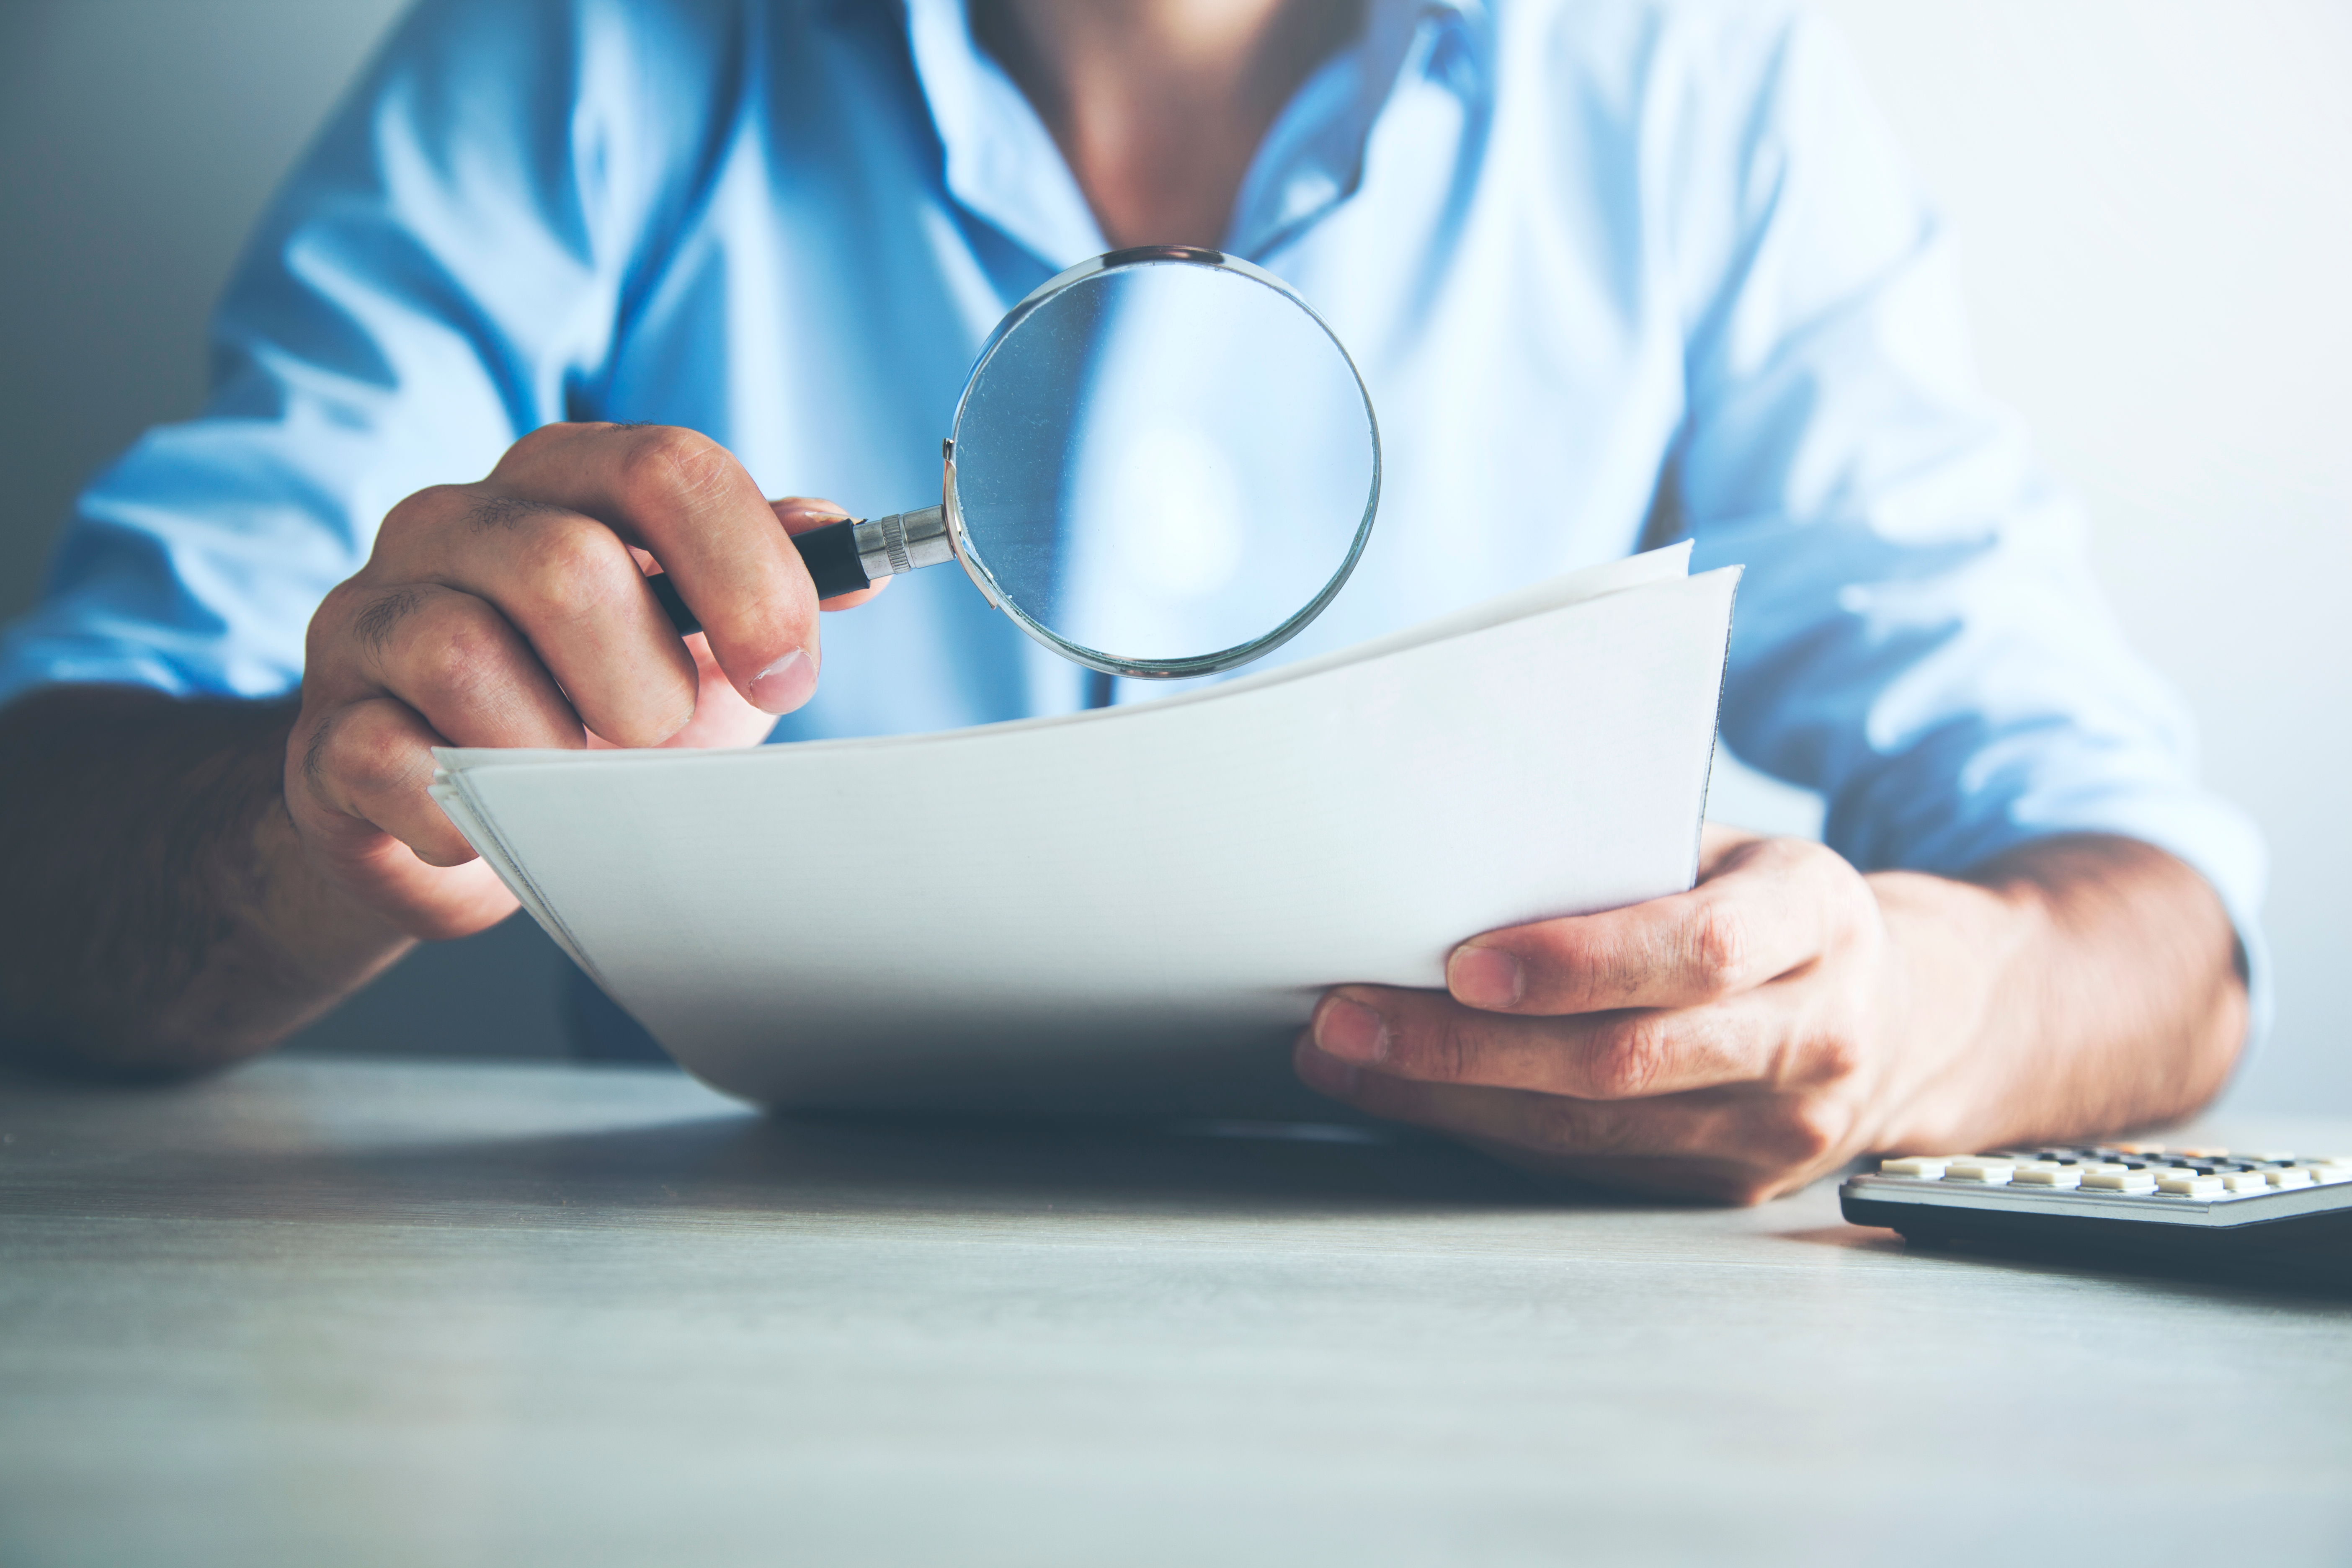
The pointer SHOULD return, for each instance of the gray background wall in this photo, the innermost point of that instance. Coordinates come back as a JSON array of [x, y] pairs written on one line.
[[2152, 195]]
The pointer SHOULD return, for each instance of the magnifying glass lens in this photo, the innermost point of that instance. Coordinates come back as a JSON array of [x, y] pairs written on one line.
[[1164, 465], [1166, 468]]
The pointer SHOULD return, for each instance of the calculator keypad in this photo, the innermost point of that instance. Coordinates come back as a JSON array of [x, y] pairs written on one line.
[[2131, 1170]]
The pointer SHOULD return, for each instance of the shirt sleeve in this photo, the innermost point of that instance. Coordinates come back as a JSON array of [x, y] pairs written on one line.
[[1919, 635], [443, 272]]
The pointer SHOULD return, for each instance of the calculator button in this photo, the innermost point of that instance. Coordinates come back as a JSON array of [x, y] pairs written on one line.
[[2246, 1181], [2115, 1178], [2137, 1148], [1927, 1167], [2048, 1174], [2288, 1176], [1990, 1171], [2328, 1172], [2188, 1184]]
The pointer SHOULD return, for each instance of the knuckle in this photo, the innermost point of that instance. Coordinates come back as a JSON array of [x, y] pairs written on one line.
[[461, 644], [665, 463], [1449, 1051], [339, 601], [1818, 1053], [537, 442], [382, 765], [1715, 944], [1835, 1056], [371, 758], [574, 568], [1811, 1129], [418, 513], [1836, 879], [1860, 918], [328, 625], [1631, 1058]]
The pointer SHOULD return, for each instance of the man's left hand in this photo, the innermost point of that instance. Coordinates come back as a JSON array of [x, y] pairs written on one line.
[[1788, 1014]]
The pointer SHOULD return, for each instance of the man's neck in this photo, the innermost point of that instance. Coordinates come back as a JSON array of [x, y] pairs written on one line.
[[1160, 105]]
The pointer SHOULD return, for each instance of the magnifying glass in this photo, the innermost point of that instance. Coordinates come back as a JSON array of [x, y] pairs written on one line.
[[1164, 463]]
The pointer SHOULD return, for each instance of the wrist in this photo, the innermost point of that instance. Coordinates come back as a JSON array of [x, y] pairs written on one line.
[[2079, 985], [1958, 1025], [163, 919]]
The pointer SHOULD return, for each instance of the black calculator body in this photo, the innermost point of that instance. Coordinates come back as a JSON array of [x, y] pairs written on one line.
[[2205, 1210]]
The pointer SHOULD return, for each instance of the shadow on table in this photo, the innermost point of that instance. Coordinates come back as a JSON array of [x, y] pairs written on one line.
[[746, 1164], [2315, 1277]]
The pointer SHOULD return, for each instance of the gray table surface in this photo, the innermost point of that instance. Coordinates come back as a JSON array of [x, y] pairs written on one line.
[[361, 1313]]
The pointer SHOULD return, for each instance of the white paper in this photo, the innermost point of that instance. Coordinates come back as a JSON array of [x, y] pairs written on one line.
[[1132, 909]]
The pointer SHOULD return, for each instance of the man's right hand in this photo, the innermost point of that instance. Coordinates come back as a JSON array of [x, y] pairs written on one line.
[[515, 612]]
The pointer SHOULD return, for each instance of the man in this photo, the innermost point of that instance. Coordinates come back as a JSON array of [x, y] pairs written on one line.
[[1613, 271]]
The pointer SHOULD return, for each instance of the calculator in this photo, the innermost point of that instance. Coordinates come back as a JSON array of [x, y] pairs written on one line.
[[2204, 1208]]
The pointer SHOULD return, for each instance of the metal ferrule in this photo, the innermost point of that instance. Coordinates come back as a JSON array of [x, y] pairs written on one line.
[[902, 542]]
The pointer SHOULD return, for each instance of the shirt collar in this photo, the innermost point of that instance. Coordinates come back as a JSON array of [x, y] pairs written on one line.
[[1313, 158], [1002, 164]]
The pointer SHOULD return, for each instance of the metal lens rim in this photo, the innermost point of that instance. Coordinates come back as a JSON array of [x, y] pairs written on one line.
[[977, 568]]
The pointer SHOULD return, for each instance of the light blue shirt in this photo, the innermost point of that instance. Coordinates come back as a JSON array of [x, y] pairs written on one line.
[[1613, 271]]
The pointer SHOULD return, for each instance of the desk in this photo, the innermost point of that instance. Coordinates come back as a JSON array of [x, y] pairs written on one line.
[[356, 1312]]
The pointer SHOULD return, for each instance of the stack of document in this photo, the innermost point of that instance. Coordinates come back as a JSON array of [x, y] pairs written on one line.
[[1132, 910]]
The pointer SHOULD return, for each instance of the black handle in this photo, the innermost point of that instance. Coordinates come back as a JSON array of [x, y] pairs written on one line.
[[830, 553]]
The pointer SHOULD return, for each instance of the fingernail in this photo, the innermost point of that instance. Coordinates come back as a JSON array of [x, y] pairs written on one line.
[[1485, 977], [785, 684], [1350, 1031], [1323, 1075]]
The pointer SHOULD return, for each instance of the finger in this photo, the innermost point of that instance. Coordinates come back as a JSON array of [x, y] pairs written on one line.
[[799, 514], [1555, 1124], [1429, 1037], [1768, 907], [463, 666], [372, 760], [721, 717], [564, 581], [1711, 1143], [685, 497]]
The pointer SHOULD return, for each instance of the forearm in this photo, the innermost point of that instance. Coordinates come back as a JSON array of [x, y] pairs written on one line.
[[2077, 985], [162, 915]]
